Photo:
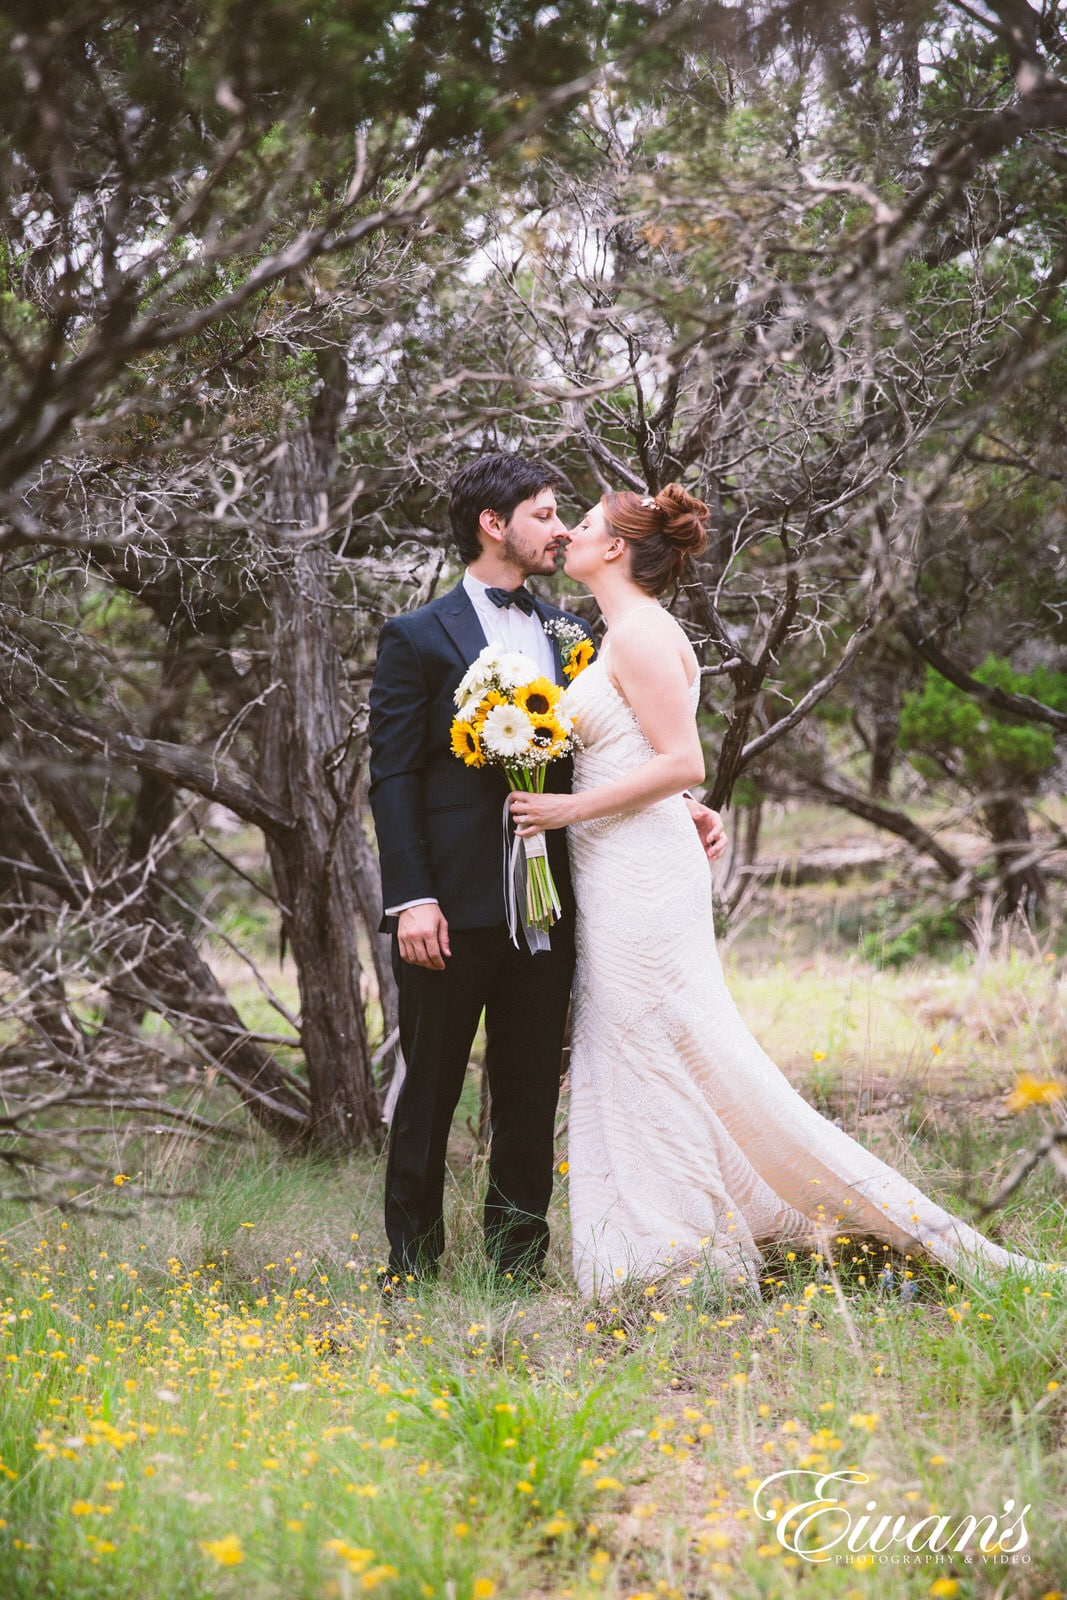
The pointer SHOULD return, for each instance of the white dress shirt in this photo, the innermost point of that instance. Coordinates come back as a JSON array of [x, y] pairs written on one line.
[[511, 628]]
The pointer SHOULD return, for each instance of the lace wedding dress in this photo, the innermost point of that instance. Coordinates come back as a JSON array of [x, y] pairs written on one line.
[[686, 1142]]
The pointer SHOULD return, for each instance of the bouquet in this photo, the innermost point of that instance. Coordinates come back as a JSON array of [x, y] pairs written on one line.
[[511, 717]]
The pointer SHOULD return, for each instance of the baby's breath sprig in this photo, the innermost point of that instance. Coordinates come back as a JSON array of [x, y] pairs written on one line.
[[575, 646]]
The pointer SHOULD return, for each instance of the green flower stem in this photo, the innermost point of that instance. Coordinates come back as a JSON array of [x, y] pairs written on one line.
[[542, 896]]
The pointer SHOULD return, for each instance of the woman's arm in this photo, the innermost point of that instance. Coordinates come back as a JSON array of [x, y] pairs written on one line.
[[651, 673]]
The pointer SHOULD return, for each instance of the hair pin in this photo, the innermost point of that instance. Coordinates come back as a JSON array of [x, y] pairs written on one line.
[[649, 501]]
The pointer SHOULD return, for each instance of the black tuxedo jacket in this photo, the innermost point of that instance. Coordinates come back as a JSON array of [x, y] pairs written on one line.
[[438, 822]]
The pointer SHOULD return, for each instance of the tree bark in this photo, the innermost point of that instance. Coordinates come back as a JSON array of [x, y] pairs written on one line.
[[316, 863], [746, 830], [1020, 877], [750, 832], [369, 891], [884, 732]]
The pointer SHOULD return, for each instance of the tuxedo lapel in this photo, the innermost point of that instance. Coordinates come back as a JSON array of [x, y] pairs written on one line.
[[460, 621], [546, 613]]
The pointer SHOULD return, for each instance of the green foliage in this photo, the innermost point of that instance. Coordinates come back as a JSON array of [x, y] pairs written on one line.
[[211, 132], [902, 935], [942, 728]]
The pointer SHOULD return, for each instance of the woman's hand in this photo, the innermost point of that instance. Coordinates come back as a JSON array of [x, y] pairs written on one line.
[[534, 813], [710, 829]]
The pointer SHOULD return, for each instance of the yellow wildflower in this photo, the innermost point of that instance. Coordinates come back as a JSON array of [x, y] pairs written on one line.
[[864, 1419], [1031, 1091], [228, 1551], [377, 1575]]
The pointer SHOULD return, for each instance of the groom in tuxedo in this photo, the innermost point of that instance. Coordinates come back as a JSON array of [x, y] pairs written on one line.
[[440, 843]]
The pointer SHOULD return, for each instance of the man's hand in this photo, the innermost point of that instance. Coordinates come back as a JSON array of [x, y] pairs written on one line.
[[709, 826], [422, 934]]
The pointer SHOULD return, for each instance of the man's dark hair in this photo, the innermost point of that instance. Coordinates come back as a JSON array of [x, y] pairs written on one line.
[[497, 483]]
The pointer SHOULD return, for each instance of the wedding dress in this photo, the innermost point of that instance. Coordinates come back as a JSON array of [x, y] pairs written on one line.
[[686, 1143]]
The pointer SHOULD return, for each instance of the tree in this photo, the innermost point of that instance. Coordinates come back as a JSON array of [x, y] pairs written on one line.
[[271, 274], [947, 732], [207, 204], [806, 277]]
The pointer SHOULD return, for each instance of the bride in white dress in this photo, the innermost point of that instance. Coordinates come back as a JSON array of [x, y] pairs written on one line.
[[686, 1144]]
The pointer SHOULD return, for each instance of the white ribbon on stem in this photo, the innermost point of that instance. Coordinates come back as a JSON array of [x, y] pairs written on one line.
[[517, 852]]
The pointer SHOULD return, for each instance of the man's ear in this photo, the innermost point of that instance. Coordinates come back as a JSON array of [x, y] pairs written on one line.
[[492, 525]]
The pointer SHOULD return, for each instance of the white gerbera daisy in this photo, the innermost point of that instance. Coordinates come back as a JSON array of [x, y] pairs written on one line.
[[468, 694], [507, 732], [478, 677], [563, 711], [514, 668]]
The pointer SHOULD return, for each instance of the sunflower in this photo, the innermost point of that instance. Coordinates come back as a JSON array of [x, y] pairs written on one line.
[[537, 698], [578, 658], [484, 706], [549, 737], [467, 744]]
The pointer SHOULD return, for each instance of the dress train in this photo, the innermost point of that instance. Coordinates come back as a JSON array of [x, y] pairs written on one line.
[[686, 1143]]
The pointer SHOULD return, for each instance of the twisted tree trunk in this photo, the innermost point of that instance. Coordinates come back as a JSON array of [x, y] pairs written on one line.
[[369, 890], [307, 763], [1022, 882]]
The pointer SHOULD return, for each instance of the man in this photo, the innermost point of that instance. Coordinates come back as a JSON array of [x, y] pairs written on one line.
[[440, 842]]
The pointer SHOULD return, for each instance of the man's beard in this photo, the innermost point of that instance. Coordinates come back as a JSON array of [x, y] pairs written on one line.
[[526, 557]]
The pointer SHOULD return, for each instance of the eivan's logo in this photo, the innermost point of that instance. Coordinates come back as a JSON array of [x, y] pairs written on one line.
[[822, 1528]]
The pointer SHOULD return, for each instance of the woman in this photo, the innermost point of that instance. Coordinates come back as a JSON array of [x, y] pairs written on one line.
[[687, 1144]]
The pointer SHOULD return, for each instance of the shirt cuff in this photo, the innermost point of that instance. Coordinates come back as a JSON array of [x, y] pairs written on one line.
[[394, 911]]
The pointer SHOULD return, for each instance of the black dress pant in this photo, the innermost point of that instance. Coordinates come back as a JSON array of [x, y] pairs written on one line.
[[524, 998]]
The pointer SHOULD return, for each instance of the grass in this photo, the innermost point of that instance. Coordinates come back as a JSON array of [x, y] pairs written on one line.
[[208, 1400]]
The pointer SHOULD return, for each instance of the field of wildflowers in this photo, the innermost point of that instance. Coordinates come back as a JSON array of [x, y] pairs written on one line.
[[208, 1399]]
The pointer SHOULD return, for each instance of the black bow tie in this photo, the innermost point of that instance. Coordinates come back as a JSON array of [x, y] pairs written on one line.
[[512, 597]]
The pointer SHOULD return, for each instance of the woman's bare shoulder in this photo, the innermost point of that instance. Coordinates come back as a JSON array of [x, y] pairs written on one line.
[[644, 622], [645, 629]]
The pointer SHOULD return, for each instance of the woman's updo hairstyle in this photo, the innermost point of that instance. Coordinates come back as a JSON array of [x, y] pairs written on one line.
[[663, 531]]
